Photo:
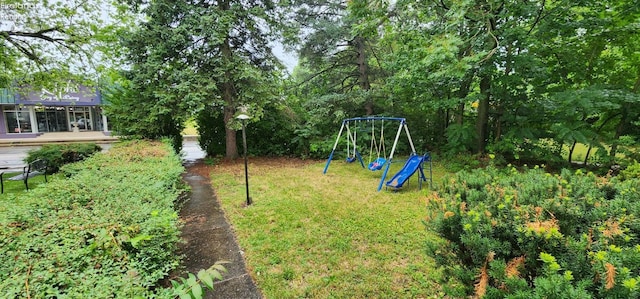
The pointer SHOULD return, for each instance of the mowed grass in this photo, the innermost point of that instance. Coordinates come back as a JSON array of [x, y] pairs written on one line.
[[17, 187], [329, 236], [580, 151]]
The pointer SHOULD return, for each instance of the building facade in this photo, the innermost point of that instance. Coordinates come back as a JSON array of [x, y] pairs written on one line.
[[29, 114]]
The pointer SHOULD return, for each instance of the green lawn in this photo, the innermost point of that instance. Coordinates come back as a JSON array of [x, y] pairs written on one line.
[[16, 187], [329, 236], [580, 151]]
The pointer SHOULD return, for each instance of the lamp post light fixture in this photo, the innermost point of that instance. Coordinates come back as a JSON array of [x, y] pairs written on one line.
[[243, 117]]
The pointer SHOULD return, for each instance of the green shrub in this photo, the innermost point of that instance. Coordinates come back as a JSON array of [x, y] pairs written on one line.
[[110, 230], [272, 135], [211, 131], [631, 172], [531, 234], [58, 155], [459, 138]]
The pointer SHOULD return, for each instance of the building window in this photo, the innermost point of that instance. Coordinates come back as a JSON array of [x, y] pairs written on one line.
[[51, 119], [80, 117], [18, 119]]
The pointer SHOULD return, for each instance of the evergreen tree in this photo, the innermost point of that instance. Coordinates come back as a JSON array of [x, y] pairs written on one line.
[[204, 55]]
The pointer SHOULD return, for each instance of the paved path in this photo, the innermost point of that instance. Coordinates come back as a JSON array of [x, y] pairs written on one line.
[[59, 137], [209, 238], [13, 156]]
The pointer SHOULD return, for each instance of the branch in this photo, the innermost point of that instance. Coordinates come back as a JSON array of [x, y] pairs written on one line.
[[313, 76], [443, 5], [345, 79], [495, 39], [538, 18], [31, 55], [39, 34]]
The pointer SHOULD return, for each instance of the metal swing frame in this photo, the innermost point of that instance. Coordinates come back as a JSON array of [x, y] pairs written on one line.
[[345, 124]]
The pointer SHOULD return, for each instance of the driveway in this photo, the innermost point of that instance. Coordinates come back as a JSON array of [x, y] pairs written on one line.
[[13, 157]]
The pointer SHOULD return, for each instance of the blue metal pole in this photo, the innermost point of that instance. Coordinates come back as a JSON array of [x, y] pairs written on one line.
[[334, 146], [384, 175], [328, 162]]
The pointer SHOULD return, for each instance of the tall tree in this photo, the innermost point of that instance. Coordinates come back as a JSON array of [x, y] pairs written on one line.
[[56, 40], [339, 50], [205, 55]]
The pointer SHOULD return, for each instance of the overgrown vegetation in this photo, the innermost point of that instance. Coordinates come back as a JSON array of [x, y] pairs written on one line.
[[109, 230], [58, 155], [532, 234]]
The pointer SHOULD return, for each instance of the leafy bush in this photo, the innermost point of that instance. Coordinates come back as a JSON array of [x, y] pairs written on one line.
[[211, 131], [459, 138], [272, 135], [631, 172], [58, 155], [110, 230], [531, 234], [458, 162]]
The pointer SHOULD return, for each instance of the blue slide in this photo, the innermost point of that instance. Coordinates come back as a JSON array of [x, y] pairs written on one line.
[[409, 168]]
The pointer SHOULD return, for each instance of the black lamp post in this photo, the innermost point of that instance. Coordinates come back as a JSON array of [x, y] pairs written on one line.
[[243, 118]]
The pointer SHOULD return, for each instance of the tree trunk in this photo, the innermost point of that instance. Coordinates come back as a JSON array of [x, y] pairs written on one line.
[[573, 147], [586, 156], [483, 113], [363, 70], [619, 131], [231, 151], [228, 95], [442, 120], [462, 93], [460, 114], [621, 126], [498, 122]]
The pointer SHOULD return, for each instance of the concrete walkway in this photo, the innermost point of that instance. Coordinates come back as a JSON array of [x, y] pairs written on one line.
[[208, 238], [60, 137]]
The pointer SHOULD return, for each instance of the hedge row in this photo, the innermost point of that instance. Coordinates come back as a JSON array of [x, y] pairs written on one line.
[[58, 155], [108, 230], [531, 234]]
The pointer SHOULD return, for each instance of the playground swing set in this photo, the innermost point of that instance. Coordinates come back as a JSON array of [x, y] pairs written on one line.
[[414, 164]]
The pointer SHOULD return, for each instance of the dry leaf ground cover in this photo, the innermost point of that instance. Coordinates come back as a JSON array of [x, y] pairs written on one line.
[[328, 236]]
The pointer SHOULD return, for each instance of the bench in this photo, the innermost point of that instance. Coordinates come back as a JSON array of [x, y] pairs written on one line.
[[32, 169]]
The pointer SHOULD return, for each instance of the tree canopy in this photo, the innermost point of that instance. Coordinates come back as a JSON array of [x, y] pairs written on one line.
[[526, 80], [47, 41], [506, 77], [207, 58]]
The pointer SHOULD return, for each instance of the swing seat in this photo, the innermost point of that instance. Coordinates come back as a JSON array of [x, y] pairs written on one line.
[[377, 164], [350, 159]]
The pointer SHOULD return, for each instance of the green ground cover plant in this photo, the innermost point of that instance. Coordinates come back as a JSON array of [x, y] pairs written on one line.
[[108, 230], [309, 235], [58, 155], [515, 233]]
